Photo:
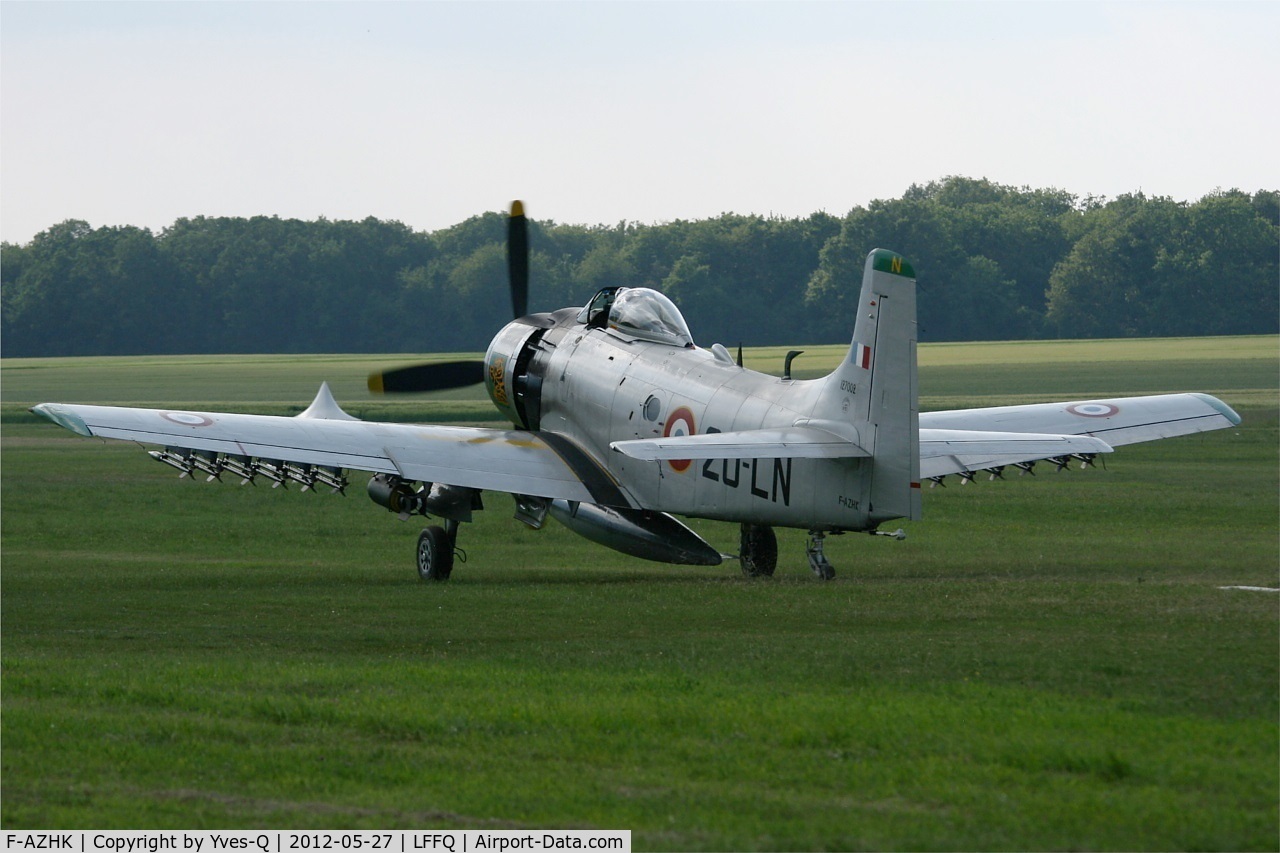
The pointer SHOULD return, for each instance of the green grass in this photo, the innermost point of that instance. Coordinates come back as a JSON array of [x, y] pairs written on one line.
[[1044, 663]]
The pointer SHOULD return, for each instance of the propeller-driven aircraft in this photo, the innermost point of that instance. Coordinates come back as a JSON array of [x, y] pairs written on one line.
[[621, 424]]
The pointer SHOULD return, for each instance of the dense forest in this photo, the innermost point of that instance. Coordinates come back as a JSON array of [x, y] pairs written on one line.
[[993, 263]]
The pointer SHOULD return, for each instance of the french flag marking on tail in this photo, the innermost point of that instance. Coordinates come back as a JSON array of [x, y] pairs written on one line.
[[862, 356]]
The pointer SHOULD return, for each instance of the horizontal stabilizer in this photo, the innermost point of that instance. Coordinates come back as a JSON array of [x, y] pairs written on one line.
[[797, 442], [953, 451]]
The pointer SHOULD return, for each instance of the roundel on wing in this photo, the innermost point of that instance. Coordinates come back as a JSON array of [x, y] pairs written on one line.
[[1093, 410], [187, 419], [680, 422]]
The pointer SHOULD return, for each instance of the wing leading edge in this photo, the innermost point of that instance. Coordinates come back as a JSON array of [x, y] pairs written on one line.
[[526, 463]]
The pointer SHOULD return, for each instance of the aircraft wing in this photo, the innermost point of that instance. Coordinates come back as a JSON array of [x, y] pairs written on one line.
[[1124, 420], [526, 463], [970, 439], [954, 451]]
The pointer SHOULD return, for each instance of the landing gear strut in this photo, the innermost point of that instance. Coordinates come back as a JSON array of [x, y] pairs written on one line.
[[758, 550], [435, 551], [817, 559]]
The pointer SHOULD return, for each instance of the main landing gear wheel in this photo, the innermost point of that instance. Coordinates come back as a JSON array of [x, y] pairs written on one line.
[[758, 550], [435, 554]]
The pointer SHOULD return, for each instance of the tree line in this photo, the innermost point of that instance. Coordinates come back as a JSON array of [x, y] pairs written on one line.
[[993, 263]]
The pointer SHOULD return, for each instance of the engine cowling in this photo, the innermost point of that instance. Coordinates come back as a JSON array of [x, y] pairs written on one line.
[[515, 364]]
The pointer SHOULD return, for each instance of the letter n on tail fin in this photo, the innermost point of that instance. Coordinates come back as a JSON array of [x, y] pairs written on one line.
[[875, 386]]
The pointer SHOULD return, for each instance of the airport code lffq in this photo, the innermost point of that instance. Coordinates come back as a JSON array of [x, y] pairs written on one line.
[[297, 841]]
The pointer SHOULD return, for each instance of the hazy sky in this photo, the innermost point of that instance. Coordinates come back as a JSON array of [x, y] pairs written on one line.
[[596, 112]]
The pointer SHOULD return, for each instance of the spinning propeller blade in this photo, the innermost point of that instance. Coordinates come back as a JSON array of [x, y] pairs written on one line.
[[518, 259], [436, 376], [439, 376]]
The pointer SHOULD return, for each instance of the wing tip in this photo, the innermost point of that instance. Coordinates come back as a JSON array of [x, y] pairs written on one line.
[[63, 418], [1219, 407]]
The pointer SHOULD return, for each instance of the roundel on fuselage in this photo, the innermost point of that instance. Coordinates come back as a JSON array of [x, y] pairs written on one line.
[[679, 423]]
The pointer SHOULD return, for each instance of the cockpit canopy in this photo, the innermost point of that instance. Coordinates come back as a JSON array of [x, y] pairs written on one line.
[[648, 315]]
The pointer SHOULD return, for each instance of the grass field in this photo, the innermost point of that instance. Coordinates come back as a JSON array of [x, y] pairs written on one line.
[[1044, 663]]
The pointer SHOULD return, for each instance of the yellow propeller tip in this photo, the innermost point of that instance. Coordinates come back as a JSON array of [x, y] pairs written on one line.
[[517, 208], [375, 383]]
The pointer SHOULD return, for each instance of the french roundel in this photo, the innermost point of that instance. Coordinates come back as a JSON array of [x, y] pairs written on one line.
[[679, 423], [1093, 410], [186, 419]]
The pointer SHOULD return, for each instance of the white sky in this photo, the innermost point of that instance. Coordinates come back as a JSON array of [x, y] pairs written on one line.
[[598, 112]]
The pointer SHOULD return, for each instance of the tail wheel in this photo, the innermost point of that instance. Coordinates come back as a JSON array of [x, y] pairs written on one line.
[[435, 554], [759, 550]]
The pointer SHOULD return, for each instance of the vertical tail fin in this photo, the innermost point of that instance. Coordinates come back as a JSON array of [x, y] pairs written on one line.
[[874, 388]]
